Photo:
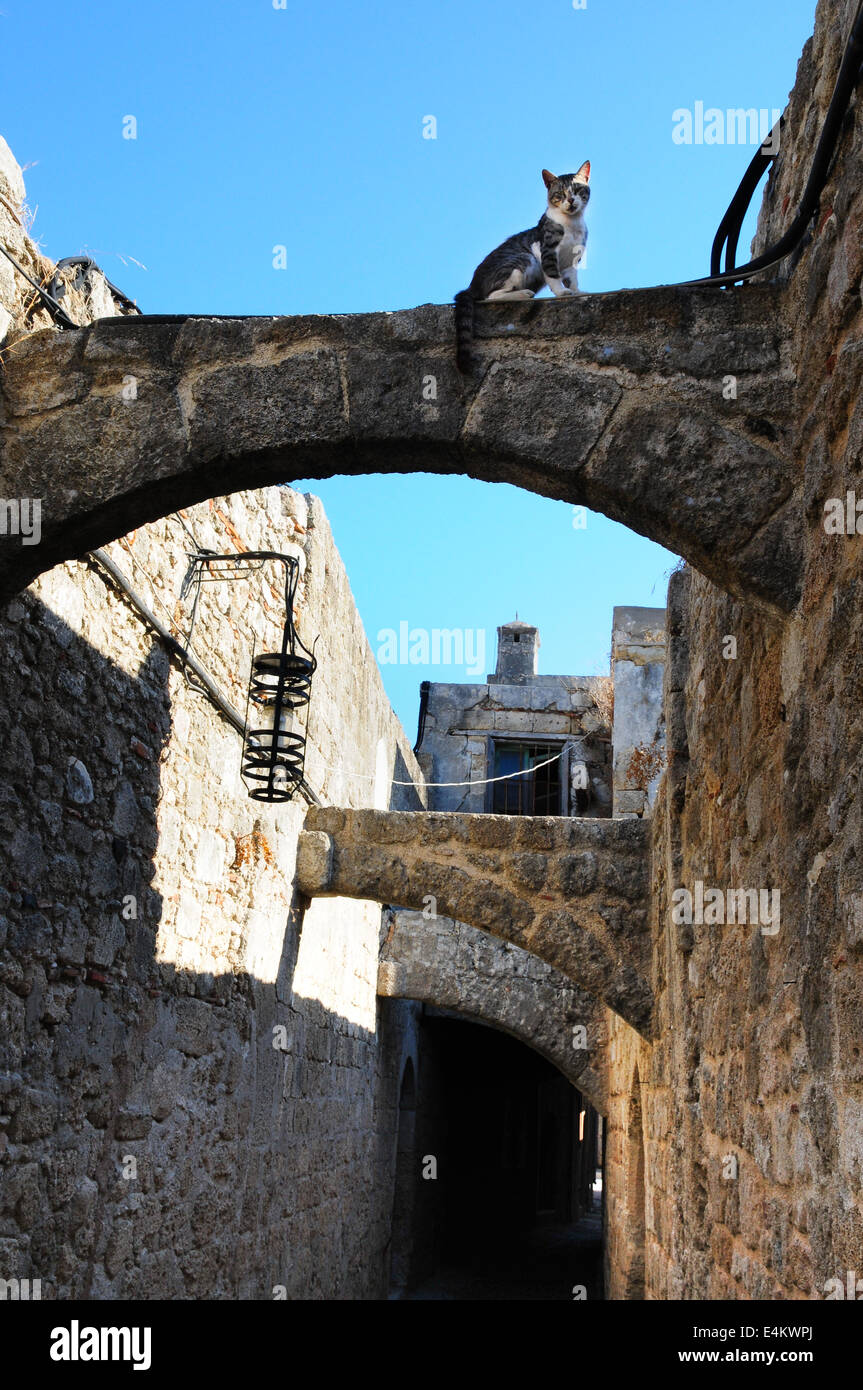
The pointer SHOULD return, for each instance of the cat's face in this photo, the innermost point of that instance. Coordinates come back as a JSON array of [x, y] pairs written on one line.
[[569, 193]]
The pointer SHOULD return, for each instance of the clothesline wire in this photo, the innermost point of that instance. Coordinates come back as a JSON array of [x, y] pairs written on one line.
[[478, 782]]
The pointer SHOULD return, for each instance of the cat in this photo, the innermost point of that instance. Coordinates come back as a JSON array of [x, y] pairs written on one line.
[[547, 254]]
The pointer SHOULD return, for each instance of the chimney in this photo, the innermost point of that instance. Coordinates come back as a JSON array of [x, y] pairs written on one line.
[[517, 648]]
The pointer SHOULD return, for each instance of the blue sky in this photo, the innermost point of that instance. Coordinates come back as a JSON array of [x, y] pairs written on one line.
[[302, 127]]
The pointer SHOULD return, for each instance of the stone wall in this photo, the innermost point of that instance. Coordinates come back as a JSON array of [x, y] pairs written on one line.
[[638, 664], [199, 1094], [746, 1120]]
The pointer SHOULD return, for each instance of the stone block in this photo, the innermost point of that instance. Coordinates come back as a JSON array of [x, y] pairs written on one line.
[[314, 861]]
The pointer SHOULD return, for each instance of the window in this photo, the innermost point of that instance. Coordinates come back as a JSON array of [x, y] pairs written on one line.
[[536, 790]]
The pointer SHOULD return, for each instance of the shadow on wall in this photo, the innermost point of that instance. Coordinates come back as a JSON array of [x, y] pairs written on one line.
[[403, 797], [164, 1133]]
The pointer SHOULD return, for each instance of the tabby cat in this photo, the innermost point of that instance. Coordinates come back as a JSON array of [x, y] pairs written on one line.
[[547, 254]]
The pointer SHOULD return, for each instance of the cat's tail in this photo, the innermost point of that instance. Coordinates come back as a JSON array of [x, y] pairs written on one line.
[[464, 331]]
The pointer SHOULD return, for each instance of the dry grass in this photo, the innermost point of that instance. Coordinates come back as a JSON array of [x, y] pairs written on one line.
[[646, 761], [603, 698]]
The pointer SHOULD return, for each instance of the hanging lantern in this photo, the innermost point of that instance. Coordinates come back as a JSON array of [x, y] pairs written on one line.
[[280, 684]]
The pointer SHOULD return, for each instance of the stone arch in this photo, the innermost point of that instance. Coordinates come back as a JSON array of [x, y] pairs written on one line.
[[605, 400], [458, 968], [572, 892]]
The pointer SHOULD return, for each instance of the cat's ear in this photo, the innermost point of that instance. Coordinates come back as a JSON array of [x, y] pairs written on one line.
[[548, 178], [583, 175]]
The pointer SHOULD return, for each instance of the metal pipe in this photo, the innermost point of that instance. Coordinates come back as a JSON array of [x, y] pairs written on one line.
[[729, 229]]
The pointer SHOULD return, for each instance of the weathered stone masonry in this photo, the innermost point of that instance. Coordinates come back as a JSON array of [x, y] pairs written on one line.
[[754, 1041], [464, 723], [453, 966], [638, 651], [151, 1038], [571, 891], [228, 404], [761, 1054]]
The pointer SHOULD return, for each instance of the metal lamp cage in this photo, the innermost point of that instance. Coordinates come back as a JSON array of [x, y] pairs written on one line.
[[280, 684]]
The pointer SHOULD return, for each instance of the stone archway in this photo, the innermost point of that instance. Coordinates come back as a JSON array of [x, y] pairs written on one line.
[[613, 401], [572, 892], [458, 968]]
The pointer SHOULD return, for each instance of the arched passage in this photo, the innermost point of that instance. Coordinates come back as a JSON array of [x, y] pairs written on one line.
[[511, 1211], [452, 966], [608, 400], [546, 1154]]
